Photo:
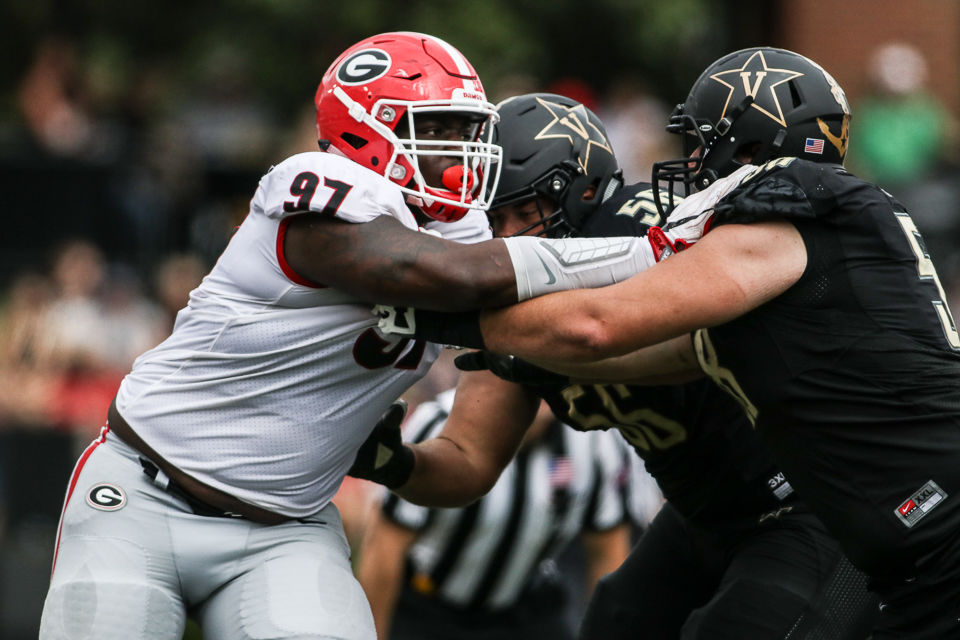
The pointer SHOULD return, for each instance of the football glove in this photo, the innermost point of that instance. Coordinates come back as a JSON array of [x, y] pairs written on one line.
[[510, 368], [663, 245], [383, 458], [680, 230]]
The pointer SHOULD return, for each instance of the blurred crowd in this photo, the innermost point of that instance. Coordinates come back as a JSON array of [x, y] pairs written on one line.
[[120, 196]]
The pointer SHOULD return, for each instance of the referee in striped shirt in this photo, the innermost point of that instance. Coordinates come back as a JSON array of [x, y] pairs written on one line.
[[486, 571]]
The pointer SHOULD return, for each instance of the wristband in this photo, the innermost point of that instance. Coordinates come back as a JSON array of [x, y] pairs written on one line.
[[461, 329]]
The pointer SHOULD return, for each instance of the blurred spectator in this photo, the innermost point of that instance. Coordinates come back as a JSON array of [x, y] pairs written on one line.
[[515, 84], [902, 137], [635, 121], [223, 119], [175, 277], [50, 99], [577, 89], [488, 570], [71, 332], [25, 383], [88, 335], [901, 129]]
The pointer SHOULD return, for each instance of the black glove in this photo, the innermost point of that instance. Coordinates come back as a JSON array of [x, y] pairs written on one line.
[[510, 368], [383, 458]]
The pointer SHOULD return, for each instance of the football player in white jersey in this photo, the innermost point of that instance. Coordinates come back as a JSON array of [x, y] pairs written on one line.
[[209, 489]]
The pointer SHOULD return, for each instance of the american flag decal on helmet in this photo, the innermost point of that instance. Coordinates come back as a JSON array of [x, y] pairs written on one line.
[[813, 145]]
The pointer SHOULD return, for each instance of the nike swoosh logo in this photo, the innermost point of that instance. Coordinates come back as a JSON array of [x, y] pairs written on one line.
[[550, 277]]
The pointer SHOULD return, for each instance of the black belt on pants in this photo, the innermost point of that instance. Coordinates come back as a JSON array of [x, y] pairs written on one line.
[[200, 508]]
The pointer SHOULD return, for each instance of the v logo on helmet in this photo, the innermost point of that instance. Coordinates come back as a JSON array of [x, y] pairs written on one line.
[[758, 81], [364, 66], [752, 89]]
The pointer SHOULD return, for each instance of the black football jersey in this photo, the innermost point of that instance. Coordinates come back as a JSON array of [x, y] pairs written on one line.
[[695, 440], [852, 375]]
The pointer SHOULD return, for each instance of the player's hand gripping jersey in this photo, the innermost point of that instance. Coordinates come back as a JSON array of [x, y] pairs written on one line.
[[253, 325]]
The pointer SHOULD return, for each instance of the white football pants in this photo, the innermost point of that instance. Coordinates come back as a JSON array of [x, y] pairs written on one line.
[[132, 559]]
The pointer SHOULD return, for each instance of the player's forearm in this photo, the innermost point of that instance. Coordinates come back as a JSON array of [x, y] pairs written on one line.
[[384, 262], [445, 476], [670, 362], [560, 328]]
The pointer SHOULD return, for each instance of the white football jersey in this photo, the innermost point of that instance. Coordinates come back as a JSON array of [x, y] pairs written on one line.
[[268, 385]]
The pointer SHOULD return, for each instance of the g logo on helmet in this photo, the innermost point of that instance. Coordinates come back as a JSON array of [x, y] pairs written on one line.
[[364, 66], [106, 497]]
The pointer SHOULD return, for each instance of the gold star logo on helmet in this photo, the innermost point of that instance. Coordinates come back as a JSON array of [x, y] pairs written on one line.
[[573, 123], [758, 80]]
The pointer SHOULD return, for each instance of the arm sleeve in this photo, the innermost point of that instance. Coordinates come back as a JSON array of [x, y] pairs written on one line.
[[544, 266]]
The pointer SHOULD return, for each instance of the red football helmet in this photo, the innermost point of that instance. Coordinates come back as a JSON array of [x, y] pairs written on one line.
[[392, 78]]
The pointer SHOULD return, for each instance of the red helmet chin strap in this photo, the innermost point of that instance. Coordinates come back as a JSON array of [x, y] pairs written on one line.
[[440, 210]]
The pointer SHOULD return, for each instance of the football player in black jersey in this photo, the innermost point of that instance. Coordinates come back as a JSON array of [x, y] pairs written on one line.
[[813, 302], [733, 553]]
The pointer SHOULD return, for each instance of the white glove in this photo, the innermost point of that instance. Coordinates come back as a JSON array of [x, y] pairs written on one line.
[[691, 219], [684, 231]]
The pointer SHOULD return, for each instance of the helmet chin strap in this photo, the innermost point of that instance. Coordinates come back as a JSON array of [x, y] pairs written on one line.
[[708, 176]]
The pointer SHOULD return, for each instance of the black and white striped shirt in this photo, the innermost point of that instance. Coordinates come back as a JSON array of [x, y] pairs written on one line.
[[483, 556]]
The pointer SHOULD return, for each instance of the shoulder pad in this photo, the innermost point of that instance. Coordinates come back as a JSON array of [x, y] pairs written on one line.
[[785, 188], [332, 185]]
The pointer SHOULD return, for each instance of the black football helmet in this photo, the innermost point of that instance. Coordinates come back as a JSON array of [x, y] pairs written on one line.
[[556, 147], [767, 102]]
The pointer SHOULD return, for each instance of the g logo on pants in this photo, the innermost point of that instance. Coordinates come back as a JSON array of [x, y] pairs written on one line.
[[106, 497]]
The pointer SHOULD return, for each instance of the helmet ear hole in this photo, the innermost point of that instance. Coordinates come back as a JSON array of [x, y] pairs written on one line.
[[590, 192], [353, 140], [747, 152]]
